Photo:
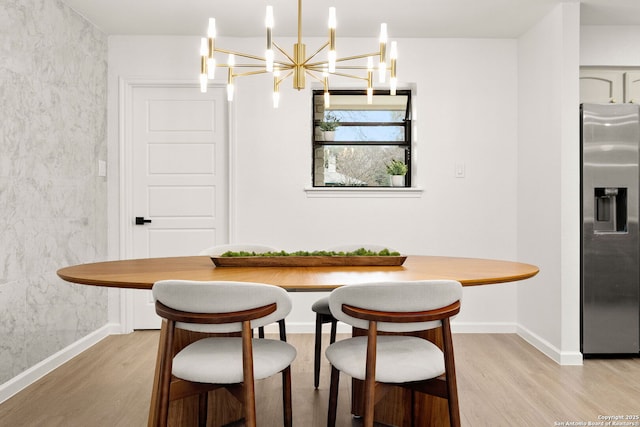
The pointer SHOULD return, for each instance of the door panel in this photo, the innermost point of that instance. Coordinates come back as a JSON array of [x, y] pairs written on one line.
[[179, 177], [632, 87], [601, 87]]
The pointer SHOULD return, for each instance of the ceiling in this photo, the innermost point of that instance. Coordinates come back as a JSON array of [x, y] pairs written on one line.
[[356, 18]]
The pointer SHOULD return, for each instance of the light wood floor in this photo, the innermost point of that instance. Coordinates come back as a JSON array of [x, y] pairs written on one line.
[[502, 381]]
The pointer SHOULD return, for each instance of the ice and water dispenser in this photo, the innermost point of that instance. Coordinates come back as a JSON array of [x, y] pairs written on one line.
[[610, 210]]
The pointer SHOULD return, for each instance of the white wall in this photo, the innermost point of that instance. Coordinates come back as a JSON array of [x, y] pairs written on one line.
[[467, 112], [548, 183]]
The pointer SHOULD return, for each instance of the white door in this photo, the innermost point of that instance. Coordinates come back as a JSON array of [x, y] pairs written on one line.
[[179, 177]]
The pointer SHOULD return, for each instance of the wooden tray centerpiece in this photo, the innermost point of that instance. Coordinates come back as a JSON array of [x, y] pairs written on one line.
[[360, 257]]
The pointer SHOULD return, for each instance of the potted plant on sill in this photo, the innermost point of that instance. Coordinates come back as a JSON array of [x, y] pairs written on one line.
[[397, 170], [328, 126]]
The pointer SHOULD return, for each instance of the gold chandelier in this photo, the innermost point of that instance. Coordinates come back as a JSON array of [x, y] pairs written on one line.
[[298, 65]]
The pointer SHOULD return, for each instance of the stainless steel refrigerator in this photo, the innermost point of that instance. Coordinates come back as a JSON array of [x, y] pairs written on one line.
[[610, 291]]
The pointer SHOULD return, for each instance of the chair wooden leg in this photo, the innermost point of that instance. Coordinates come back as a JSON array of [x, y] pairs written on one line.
[[283, 330], [203, 403], [248, 386], [334, 327], [287, 413], [316, 353], [333, 397], [165, 376], [450, 373], [286, 380], [370, 375]]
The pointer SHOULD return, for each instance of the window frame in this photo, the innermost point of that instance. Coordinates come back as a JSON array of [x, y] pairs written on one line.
[[405, 144]]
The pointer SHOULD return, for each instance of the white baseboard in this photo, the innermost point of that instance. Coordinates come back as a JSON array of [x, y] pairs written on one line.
[[551, 351], [52, 362]]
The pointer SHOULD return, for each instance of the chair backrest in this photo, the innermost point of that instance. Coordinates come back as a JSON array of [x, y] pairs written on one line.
[[221, 297], [415, 296], [220, 249]]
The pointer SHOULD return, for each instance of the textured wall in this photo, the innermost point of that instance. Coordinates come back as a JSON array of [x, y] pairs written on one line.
[[52, 204]]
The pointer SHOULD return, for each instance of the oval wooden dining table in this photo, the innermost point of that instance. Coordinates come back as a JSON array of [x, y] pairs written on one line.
[[394, 409]]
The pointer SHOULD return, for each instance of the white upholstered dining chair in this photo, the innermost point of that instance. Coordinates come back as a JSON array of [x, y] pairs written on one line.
[[411, 362], [233, 362], [323, 314], [218, 250]]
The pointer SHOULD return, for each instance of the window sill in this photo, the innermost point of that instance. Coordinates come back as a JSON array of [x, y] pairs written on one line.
[[356, 192]]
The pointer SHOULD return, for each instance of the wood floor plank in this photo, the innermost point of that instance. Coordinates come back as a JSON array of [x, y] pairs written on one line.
[[502, 381]]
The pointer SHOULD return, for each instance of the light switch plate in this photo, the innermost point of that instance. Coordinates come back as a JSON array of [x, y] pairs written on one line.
[[102, 168]]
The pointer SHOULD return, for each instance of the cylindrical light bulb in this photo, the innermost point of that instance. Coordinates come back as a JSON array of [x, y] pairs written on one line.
[[211, 31], [394, 77], [327, 99], [230, 86], [382, 67], [332, 18], [383, 33], [269, 52], [332, 61], [203, 83], [204, 47], [204, 51], [276, 99], [269, 60], [211, 68], [268, 21], [230, 90]]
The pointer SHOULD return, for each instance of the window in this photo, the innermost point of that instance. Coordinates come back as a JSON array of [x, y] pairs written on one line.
[[369, 137]]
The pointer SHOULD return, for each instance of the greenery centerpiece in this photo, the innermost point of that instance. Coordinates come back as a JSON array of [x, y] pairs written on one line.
[[357, 252], [359, 257]]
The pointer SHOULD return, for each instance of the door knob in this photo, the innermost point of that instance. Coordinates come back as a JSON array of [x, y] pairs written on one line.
[[141, 221]]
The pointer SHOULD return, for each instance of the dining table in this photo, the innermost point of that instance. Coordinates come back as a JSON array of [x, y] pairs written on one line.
[[395, 409]]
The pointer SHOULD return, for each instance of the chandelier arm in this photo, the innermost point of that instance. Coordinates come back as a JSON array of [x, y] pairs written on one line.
[[344, 67], [244, 55], [311, 73], [282, 51], [346, 58], [305, 63], [286, 76], [351, 58], [284, 65], [250, 73], [351, 76]]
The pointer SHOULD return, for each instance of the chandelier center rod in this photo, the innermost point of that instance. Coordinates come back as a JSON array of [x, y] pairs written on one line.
[[299, 21]]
